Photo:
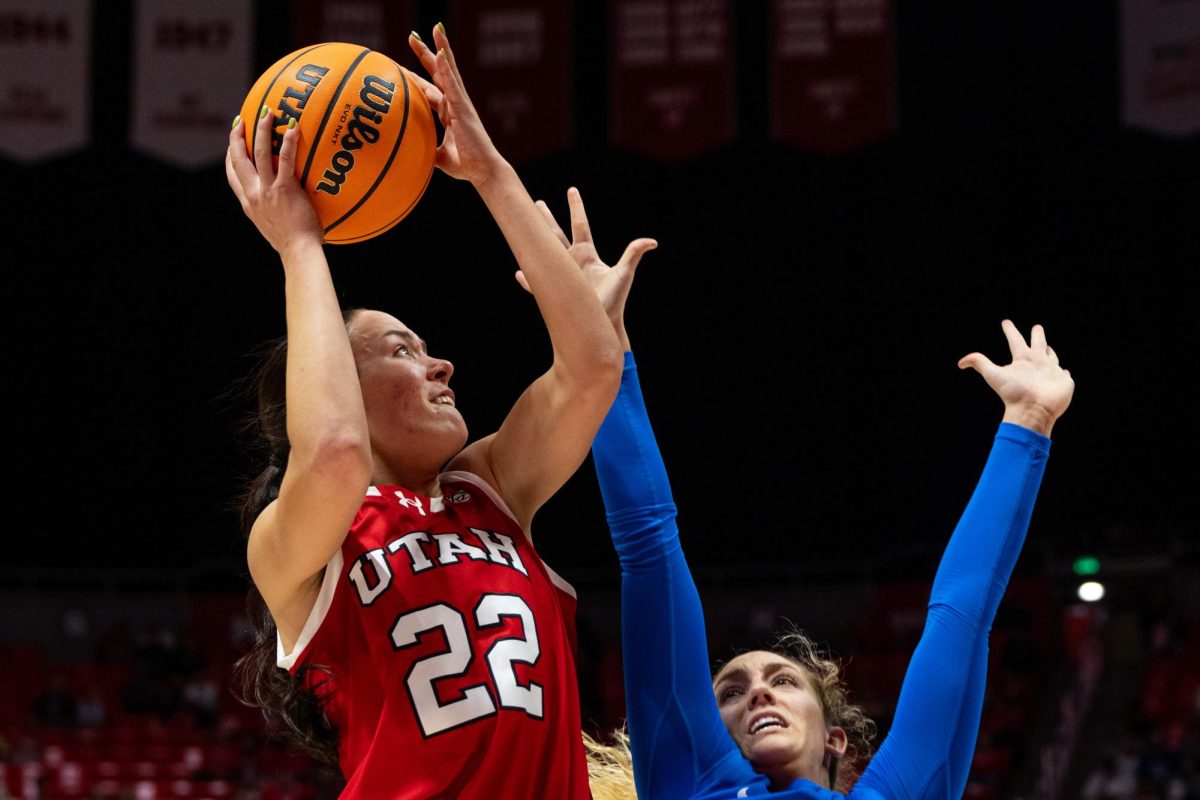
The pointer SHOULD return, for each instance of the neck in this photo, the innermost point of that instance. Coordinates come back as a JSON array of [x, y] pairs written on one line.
[[783, 775], [423, 480]]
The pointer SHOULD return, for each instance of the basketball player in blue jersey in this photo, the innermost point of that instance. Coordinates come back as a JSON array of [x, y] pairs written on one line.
[[778, 721]]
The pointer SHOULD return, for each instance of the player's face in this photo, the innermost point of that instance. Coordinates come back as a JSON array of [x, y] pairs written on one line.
[[406, 391], [771, 709]]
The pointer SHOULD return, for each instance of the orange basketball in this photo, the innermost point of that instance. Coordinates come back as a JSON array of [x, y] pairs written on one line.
[[367, 138]]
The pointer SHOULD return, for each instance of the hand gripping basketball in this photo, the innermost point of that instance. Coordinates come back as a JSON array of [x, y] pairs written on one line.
[[366, 135], [273, 200]]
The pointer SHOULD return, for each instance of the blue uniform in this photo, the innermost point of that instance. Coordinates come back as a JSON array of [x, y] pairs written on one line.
[[681, 749]]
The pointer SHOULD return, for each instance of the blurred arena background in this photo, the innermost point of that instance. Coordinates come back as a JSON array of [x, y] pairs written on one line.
[[848, 195]]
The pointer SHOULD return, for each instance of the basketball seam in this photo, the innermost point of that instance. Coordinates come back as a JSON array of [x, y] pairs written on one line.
[[270, 86], [337, 94], [395, 149], [394, 220]]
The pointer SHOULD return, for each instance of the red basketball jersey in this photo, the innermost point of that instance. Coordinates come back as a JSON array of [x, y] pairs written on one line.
[[450, 650]]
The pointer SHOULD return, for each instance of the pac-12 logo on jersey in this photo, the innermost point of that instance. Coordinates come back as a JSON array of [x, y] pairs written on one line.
[[457, 496]]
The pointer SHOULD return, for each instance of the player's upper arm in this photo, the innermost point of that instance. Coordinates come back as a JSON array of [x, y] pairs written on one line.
[[544, 438], [295, 536]]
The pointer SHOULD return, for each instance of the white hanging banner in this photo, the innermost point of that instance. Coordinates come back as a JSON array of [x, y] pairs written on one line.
[[1160, 65], [191, 72], [45, 77]]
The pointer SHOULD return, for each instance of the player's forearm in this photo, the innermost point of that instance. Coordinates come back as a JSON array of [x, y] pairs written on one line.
[[629, 466], [586, 349], [324, 401], [674, 725], [986, 542]]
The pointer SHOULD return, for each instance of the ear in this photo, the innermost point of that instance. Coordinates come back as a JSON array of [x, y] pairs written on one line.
[[836, 742]]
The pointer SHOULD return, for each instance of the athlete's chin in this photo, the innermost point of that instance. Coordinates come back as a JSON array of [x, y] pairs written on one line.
[[446, 441], [770, 750], [452, 427]]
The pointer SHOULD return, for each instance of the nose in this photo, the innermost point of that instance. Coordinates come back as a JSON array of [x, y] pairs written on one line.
[[759, 694], [440, 370]]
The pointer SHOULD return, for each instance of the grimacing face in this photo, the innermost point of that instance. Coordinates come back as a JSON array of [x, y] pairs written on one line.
[[771, 709]]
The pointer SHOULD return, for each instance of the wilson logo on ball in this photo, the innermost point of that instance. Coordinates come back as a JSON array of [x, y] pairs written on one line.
[[376, 96]]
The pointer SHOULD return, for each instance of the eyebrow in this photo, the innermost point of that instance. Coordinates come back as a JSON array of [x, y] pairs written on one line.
[[737, 672], [740, 672], [409, 337]]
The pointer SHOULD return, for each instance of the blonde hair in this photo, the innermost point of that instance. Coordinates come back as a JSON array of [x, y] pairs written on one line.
[[610, 767]]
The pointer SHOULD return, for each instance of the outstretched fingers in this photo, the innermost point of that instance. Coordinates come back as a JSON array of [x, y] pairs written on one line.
[[1016, 342], [443, 45], [1037, 339], [581, 231], [443, 84], [446, 74], [426, 56], [552, 222], [634, 252], [432, 94], [981, 364]]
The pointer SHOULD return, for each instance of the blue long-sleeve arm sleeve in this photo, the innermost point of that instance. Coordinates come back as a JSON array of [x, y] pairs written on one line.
[[675, 730], [928, 751], [681, 749]]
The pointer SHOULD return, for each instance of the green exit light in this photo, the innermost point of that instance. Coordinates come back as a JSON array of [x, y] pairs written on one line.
[[1087, 565]]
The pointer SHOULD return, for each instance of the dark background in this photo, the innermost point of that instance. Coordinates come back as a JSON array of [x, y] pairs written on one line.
[[797, 330]]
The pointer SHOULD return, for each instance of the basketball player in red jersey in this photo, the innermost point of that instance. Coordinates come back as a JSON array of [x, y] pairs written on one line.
[[427, 647]]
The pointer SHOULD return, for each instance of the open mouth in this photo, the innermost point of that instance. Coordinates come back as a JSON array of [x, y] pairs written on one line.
[[768, 722]]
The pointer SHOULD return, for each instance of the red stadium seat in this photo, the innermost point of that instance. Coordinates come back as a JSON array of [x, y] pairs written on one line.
[[216, 790], [175, 788], [70, 780]]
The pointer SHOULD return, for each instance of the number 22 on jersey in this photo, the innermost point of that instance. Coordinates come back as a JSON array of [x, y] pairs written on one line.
[[476, 701]]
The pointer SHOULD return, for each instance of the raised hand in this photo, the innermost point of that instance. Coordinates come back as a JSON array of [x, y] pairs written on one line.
[[611, 284], [466, 151], [273, 200], [1035, 389]]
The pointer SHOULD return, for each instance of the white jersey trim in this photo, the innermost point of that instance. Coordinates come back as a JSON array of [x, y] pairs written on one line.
[[333, 571], [494, 496], [560, 581]]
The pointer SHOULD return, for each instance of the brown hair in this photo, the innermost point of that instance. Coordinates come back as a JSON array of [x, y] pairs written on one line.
[[294, 712]]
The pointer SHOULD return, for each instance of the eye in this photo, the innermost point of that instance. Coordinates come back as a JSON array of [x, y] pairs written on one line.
[[402, 350], [785, 679], [728, 693]]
